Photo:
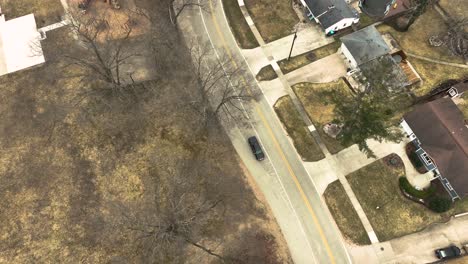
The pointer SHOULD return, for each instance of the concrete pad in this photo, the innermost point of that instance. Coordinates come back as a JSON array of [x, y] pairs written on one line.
[[273, 90], [311, 128], [308, 38], [324, 70], [255, 58], [321, 174]]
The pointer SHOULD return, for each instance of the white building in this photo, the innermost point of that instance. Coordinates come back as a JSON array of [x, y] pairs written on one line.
[[20, 45], [332, 15]]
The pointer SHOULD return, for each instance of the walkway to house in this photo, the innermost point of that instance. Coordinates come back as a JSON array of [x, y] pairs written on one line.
[[328, 69], [437, 61]]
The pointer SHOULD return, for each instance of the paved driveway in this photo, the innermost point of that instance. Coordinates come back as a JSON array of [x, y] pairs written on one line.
[[324, 70], [414, 248]]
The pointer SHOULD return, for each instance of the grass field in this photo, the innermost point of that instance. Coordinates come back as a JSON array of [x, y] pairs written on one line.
[[344, 214], [46, 11], [390, 214], [241, 30], [267, 73], [416, 39], [433, 74], [273, 19], [319, 111], [297, 130], [301, 60]]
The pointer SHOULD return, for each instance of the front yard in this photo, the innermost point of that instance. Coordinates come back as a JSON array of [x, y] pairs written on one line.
[[344, 214], [46, 12], [273, 19], [319, 111], [241, 30], [297, 130]]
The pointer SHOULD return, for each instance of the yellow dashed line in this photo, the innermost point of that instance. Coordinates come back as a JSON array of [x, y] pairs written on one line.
[[277, 146]]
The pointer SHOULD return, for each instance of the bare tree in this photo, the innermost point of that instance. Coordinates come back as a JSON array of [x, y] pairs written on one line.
[[180, 213], [455, 38], [106, 43], [221, 89], [176, 7]]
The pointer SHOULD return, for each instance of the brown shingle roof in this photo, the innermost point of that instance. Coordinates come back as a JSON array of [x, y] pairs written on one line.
[[439, 126]]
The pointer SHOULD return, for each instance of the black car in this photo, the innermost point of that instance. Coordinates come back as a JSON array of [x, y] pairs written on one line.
[[256, 149], [448, 252]]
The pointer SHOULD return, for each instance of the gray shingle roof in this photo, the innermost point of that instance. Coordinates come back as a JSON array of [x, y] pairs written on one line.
[[333, 15], [365, 45], [375, 8]]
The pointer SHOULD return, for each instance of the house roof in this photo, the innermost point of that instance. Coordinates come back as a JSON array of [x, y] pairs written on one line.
[[365, 45], [375, 8], [330, 12], [384, 71], [440, 127], [20, 45], [461, 86]]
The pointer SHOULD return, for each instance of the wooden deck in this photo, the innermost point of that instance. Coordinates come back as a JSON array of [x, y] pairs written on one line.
[[410, 73]]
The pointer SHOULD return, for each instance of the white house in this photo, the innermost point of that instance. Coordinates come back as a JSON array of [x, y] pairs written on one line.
[[20, 45], [332, 15]]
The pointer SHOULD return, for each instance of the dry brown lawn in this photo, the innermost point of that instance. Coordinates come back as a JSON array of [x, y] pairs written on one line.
[[376, 185], [76, 170], [456, 8], [297, 130], [433, 74], [416, 39], [267, 73], [344, 214], [46, 11], [241, 30], [273, 19], [319, 111]]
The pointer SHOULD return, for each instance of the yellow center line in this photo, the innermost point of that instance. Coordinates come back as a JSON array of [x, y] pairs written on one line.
[[275, 141]]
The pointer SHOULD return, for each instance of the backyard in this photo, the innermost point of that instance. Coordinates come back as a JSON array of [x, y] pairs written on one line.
[[297, 130], [319, 111], [434, 74], [46, 11], [273, 19]]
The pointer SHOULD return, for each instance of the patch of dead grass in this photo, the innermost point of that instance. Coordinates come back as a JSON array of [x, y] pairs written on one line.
[[416, 39], [390, 214], [434, 74], [297, 130], [344, 214], [273, 19], [320, 112]]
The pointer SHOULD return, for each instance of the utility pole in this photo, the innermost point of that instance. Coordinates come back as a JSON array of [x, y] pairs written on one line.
[[292, 45]]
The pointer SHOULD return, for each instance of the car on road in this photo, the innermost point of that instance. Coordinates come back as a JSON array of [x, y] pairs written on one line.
[[256, 149], [448, 252]]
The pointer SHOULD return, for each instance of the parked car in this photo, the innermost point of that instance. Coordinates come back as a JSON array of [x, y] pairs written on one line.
[[256, 149], [448, 252]]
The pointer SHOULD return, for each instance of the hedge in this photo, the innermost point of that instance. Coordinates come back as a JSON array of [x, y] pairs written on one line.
[[415, 159], [408, 188], [439, 204]]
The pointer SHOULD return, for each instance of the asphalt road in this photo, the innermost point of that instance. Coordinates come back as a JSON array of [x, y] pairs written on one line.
[[307, 226]]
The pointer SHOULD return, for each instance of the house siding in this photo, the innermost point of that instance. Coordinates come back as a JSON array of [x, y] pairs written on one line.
[[349, 58], [344, 23]]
